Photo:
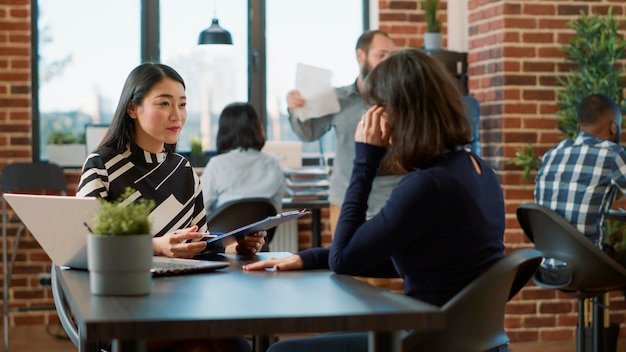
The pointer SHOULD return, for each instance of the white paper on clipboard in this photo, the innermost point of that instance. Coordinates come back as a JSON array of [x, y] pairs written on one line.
[[314, 84]]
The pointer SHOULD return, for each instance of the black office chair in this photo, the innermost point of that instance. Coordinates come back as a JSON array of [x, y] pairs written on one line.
[[63, 309], [242, 212], [39, 178], [572, 264], [475, 316]]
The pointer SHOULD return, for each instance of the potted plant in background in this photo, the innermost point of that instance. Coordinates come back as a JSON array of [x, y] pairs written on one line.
[[119, 249], [197, 156], [66, 149], [432, 37]]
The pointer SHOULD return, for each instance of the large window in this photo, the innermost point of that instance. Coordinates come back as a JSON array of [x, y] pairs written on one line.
[[216, 75], [86, 50], [307, 32]]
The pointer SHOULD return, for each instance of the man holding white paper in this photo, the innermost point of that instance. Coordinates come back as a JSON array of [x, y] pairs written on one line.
[[372, 48]]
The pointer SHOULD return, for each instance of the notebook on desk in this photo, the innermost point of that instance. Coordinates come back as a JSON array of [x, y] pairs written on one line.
[[57, 223]]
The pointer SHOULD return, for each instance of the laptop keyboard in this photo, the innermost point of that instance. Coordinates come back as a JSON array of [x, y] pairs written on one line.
[[164, 268]]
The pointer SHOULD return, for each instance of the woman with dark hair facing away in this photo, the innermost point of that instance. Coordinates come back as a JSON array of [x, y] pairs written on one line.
[[443, 224], [241, 170], [138, 150]]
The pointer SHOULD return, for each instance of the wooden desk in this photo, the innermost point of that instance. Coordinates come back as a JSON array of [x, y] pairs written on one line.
[[316, 207], [234, 303]]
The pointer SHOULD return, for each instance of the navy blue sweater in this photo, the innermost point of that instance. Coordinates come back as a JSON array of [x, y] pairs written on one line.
[[441, 227]]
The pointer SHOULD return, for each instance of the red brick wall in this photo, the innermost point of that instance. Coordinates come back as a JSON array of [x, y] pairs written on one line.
[[14, 81], [513, 60], [405, 21], [15, 145]]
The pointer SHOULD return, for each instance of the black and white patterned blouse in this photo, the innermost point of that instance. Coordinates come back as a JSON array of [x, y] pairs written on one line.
[[167, 178]]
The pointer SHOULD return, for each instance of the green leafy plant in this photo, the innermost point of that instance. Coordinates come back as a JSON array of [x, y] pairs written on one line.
[[527, 160], [65, 137], [596, 48], [430, 7], [119, 219], [196, 146], [595, 51], [614, 232]]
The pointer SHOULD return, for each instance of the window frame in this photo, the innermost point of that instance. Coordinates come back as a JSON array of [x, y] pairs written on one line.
[[150, 39]]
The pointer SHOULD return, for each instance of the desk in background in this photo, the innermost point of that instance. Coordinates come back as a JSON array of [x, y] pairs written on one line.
[[316, 207], [234, 303]]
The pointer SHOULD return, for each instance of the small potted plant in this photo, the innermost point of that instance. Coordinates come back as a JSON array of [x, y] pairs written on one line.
[[432, 37], [66, 149], [197, 156], [119, 249]]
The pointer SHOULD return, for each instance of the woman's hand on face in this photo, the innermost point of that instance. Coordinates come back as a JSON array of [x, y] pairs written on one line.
[[293, 262], [372, 129], [181, 243], [248, 245]]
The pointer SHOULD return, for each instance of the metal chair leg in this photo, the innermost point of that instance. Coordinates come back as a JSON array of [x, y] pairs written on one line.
[[597, 325], [62, 307], [580, 337], [5, 301], [16, 243]]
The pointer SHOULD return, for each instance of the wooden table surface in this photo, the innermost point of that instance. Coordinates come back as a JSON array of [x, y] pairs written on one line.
[[231, 302]]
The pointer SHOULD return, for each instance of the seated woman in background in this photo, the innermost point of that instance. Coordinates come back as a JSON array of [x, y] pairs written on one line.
[[443, 224], [241, 170]]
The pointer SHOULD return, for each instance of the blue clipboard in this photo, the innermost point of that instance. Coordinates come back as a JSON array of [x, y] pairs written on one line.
[[223, 240]]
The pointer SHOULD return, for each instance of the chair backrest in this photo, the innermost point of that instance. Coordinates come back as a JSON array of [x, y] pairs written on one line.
[[241, 212], [473, 114], [578, 264], [475, 315], [35, 177]]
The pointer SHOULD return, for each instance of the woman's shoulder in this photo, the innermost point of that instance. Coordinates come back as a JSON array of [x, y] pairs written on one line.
[[178, 157], [100, 157], [106, 153]]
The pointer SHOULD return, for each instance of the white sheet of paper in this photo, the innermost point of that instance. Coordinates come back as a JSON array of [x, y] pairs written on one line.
[[314, 84]]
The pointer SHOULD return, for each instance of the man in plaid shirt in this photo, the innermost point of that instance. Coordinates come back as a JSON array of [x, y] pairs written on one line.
[[579, 178]]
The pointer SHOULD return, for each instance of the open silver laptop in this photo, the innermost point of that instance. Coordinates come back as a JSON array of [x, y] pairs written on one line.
[[58, 224]]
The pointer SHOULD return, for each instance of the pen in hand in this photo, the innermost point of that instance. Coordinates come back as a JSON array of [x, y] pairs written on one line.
[[205, 235]]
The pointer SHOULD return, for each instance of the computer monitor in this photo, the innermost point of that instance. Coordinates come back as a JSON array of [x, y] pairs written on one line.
[[288, 153]]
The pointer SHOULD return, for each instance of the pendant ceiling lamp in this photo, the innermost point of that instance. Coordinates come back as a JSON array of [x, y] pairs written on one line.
[[215, 35]]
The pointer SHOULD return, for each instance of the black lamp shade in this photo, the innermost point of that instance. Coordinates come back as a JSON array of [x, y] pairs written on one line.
[[215, 35]]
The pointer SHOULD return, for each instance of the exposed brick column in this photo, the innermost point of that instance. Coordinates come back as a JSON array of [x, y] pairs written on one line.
[[15, 123], [513, 64], [15, 146]]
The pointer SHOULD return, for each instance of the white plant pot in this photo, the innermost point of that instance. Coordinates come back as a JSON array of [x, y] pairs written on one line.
[[120, 265], [432, 41], [67, 155]]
